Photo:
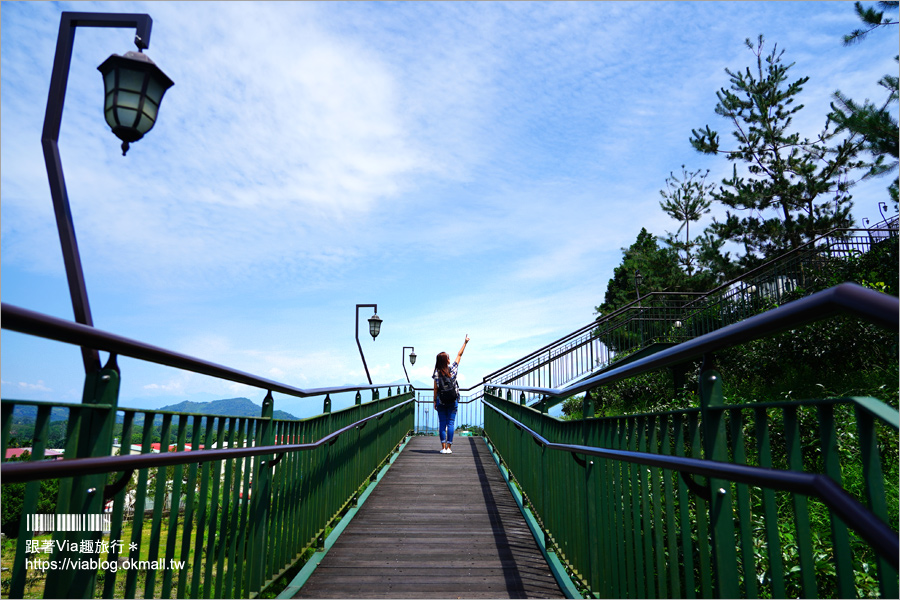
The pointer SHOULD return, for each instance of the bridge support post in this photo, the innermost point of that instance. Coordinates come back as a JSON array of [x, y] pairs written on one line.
[[84, 495], [260, 498], [721, 514]]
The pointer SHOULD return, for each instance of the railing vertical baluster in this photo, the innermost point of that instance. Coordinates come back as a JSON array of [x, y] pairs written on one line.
[[721, 510], [115, 533], [174, 508], [240, 492], [671, 532], [140, 501], [770, 508], [701, 513], [874, 480], [206, 502], [843, 563], [219, 486], [159, 502], [188, 530], [801, 510], [684, 506], [646, 522], [657, 522], [225, 532], [739, 453], [29, 501]]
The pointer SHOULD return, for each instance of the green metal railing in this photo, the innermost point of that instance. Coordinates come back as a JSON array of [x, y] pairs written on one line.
[[238, 499], [770, 499], [667, 318]]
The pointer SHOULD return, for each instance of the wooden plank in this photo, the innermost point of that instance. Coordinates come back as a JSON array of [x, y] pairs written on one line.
[[436, 526]]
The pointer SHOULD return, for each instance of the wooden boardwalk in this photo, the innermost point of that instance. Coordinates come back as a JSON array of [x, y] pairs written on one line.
[[436, 526]]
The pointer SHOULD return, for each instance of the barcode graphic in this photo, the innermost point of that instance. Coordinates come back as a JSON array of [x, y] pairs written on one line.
[[69, 522]]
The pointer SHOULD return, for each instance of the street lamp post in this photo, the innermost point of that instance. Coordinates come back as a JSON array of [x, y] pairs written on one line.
[[134, 87], [374, 330], [412, 360], [50, 140]]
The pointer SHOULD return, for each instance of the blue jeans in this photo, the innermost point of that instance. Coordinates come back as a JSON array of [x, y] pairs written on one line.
[[446, 420]]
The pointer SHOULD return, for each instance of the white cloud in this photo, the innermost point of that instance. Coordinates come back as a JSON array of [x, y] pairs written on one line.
[[472, 167], [34, 387]]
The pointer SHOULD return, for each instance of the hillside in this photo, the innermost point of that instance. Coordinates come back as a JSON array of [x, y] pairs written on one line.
[[229, 407]]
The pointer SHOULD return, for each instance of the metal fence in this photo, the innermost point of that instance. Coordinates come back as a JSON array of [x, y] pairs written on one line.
[[236, 501], [661, 319], [792, 500], [469, 415]]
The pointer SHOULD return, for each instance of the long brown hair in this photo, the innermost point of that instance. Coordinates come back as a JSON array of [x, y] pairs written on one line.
[[442, 364]]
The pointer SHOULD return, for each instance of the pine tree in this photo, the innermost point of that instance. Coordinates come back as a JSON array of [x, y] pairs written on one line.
[[685, 200], [875, 124], [794, 188]]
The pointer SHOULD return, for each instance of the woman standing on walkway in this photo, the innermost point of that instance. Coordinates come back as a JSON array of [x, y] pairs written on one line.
[[446, 395]]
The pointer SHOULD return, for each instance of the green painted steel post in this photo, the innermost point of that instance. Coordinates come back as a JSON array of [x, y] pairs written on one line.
[[591, 505], [326, 407], [358, 399], [260, 498], [94, 439], [522, 399], [720, 507]]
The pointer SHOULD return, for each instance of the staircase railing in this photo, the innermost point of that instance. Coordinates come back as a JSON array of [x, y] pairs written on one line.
[[794, 501], [665, 318], [226, 506]]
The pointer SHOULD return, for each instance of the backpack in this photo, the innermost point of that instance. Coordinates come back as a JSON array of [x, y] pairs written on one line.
[[447, 390]]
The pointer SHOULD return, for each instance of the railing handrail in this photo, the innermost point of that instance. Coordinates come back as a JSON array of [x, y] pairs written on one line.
[[851, 298], [20, 472], [631, 305], [754, 271], [34, 323], [853, 513], [599, 321]]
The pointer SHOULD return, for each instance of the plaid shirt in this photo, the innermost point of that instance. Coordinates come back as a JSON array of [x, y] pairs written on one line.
[[454, 370]]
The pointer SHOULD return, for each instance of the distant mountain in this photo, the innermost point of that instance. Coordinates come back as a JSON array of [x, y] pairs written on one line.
[[230, 407]]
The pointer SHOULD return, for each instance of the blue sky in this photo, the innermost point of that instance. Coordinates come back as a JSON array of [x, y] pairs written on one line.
[[469, 167]]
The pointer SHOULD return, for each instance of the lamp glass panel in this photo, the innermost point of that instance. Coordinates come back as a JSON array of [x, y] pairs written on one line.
[[131, 80], [150, 109], [155, 90], [374, 327], [109, 81], [126, 116], [145, 124], [128, 100]]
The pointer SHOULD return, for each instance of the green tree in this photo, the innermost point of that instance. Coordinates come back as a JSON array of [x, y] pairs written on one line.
[[685, 200], [872, 19], [875, 124], [658, 267], [794, 188]]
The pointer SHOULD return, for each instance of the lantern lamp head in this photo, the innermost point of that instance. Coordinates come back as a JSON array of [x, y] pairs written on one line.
[[374, 325], [638, 278], [134, 88], [412, 358]]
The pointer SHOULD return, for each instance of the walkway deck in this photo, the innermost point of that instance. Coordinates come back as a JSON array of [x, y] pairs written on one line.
[[436, 526]]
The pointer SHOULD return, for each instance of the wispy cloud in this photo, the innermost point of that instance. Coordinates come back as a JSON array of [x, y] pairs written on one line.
[[469, 166]]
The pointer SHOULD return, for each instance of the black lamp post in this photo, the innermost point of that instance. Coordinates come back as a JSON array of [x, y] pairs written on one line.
[[125, 92], [374, 330], [638, 279], [412, 360]]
